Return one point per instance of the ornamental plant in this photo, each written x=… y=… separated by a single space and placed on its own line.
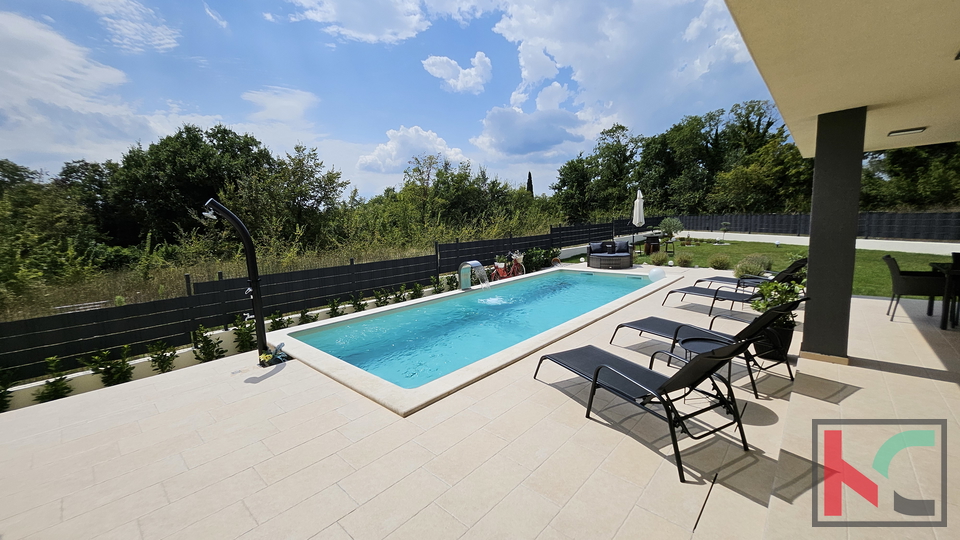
x=278 y=322
x=243 y=333
x=334 y=308
x=205 y=348
x=162 y=356
x=112 y=372
x=54 y=388
x=437 y=285
x=356 y=300
x=773 y=294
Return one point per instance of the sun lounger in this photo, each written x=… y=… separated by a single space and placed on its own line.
x=755 y=281
x=645 y=388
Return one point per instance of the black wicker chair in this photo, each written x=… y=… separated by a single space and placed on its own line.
x=929 y=284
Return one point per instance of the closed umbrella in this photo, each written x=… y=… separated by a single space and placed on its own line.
x=638 y=210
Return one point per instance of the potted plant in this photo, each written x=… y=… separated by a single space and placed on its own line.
x=775 y=294
x=670 y=226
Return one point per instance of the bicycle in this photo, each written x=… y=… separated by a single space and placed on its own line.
x=500 y=270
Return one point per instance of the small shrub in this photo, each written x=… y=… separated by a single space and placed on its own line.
x=278 y=322
x=356 y=300
x=381 y=297
x=112 y=372
x=436 y=284
x=162 y=356
x=334 y=309
x=683 y=259
x=119 y=300
x=205 y=348
x=243 y=334
x=659 y=258
x=801 y=274
x=719 y=261
x=752 y=265
x=400 y=295
x=306 y=317
x=417 y=291
x=774 y=294
x=535 y=259
x=670 y=227
x=452 y=282
x=6 y=381
x=54 y=388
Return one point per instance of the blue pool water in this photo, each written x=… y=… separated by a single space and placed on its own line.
x=413 y=346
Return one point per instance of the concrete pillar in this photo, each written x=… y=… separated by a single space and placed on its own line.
x=833 y=233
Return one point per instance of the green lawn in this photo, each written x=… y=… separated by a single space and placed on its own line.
x=871 y=277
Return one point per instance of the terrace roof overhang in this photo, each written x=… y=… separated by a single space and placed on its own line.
x=847 y=76
x=897 y=58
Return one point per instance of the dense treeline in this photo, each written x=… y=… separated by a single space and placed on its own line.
x=143 y=211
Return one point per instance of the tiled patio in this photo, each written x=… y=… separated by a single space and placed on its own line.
x=229 y=450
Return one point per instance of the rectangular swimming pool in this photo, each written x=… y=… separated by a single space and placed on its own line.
x=424 y=348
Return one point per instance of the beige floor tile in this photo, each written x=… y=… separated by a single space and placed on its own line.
x=368 y=424
x=442 y=436
x=127 y=531
x=355 y=408
x=83 y=445
x=728 y=515
x=307 y=412
x=550 y=533
x=135 y=460
x=641 y=523
x=598 y=437
x=95 y=496
x=523 y=513
x=279 y=467
x=29 y=498
x=499 y=402
x=240 y=422
x=462 y=458
x=482 y=489
x=563 y=473
x=307 y=518
x=192 y=508
x=678 y=503
x=162 y=433
x=333 y=532
x=538 y=443
x=369 y=449
x=381 y=515
x=227 y=524
x=224 y=446
x=107 y=517
x=214 y=471
x=106 y=425
x=26 y=523
x=301 y=433
x=440 y=411
x=515 y=421
x=632 y=461
x=376 y=477
x=599 y=507
x=432 y=523
x=290 y=491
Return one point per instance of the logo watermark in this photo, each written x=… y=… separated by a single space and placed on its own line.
x=895 y=472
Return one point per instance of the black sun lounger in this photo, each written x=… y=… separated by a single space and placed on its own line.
x=718 y=294
x=758 y=331
x=755 y=281
x=644 y=387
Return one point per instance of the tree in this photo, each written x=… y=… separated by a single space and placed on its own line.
x=162 y=188
x=572 y=189
x=613 y=161
x=530 y=182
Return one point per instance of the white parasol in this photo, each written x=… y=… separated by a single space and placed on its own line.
x=638 y=210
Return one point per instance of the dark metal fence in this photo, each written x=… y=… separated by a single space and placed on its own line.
x=907 y=226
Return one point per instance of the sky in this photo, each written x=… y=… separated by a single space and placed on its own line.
x=513 y=86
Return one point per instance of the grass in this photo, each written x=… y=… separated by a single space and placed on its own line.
x=871 y=277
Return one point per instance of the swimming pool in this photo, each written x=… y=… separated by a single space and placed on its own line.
x=411 y=354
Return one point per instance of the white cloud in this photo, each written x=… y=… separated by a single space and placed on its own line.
x=552 y=96
x=280 y=104
x=371 y=21
x=215 y=16
x=403 y=144
x=723 y=41
x=269 y=17
x=458 y=79
x=509 y=132
x=133 y=27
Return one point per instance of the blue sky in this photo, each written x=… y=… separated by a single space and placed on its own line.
x=514 y=86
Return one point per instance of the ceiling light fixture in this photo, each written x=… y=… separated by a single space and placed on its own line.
x=911 y=131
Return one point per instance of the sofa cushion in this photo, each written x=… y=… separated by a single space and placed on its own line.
x=623 y=247
x=596 y=247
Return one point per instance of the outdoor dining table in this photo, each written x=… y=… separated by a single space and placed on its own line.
x=950 y=284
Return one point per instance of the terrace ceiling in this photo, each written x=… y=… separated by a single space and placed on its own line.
x=898 y=58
